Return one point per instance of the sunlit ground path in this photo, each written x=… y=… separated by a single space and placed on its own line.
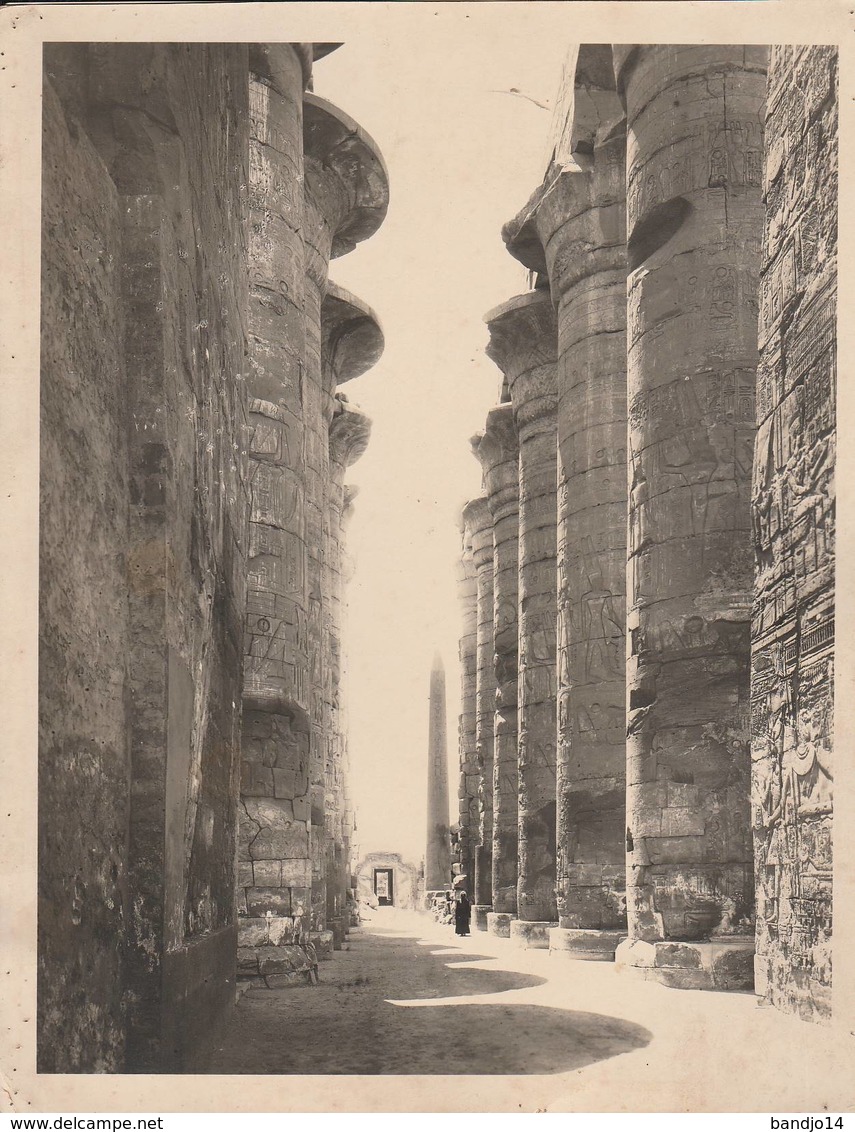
x=410 y=997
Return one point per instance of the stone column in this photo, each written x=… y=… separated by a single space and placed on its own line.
x=523 y=344
x=467 y=793
x=478 y=514
x=793 y=504
x=695 y=129
x=498 y=451
x=352 y=342
x=345 y=199
x=350 y=429
x=438 y=840
x=575 y=229
x=273 y=848
x=351 y=847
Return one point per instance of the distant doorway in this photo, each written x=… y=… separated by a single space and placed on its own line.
x=383 y=886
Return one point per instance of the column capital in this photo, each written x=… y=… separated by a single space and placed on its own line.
x=683 y=61
x=497 y=449
x=346 y=176
x=270 y=62
x=351 y=490
x=350 y=430
x=479 y=524
x=351 y=336
x=524 y=345
x=590 y=134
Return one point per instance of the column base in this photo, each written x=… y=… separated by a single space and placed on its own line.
x=584 y=943
x=499 y=923
x=479 y=916
x=725 y=964
x=532 y=933
x=323 y=942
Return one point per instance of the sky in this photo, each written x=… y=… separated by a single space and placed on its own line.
x=464 y=155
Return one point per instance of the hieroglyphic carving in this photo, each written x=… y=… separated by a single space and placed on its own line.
x=691 y=329
x=523 y=343
x=793 y=526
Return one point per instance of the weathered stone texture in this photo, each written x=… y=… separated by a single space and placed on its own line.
x=169 y=124
x=523 y=343
x=467 y=792
x=695 y=140
x=498 y=451
x=485 y=695
x=793 y=514
x=84 y=757
x=275 y=740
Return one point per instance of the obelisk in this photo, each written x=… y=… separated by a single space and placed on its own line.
x=438 y=850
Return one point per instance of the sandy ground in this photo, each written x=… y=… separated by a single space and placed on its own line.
x=410 y=997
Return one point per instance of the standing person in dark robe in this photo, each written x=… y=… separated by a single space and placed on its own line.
x=462 y=915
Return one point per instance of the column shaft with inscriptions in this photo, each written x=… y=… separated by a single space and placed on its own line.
x=478 y=514
x=498 y=450
x=273 y=850
x=467 y=792
x=694 y=220
x=523 y=343
x=574 y=229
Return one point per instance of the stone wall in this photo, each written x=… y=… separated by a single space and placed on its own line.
x=84 y=756
x=793 y=514
x=173 y=340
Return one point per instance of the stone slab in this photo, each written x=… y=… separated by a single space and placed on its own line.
x=717 y=964
x=532 y=933
x=480 y=913
x=590 y=944
x=499 y=923
x=324 y=944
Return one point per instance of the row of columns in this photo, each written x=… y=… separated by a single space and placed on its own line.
x=318 y=186
x=630 y=375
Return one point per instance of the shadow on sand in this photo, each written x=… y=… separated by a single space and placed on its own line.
x=348 y=1024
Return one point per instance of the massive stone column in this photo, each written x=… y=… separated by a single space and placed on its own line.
x=352 y=342
x=793 y=511
x=438 y=842
x=498 y=451
x=467 y=793
x=481 y=526
x=574 y=228
x=345 y=199
x=523 y=344
x=274 y=872
x=694 y=218
x=351 y=847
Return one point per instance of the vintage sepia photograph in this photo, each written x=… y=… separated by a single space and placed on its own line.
x=437 y=430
